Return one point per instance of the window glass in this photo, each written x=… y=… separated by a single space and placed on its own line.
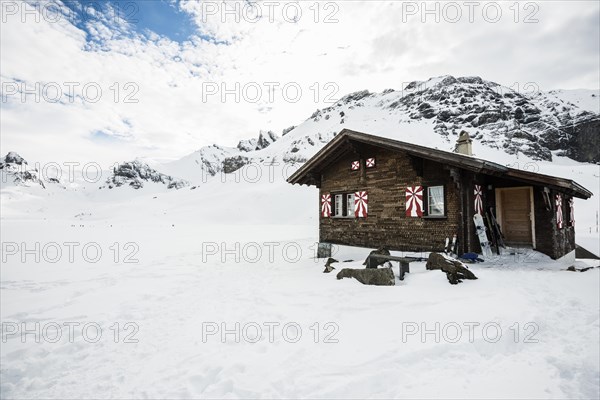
x=339 y=205
x=350 y=204
x=435 y=200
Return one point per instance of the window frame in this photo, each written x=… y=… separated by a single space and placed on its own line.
x=347 y=210
x=427 y=205
x=337 y=209
x=350 y=205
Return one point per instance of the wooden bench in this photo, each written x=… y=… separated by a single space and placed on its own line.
x=404 y=262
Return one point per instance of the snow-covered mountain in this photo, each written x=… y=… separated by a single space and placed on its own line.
x=432 y=112
x=14 y=170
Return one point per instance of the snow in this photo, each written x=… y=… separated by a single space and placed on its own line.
x=588 y=100
x=179 y=283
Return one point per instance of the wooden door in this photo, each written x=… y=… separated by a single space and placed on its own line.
x=516 y=215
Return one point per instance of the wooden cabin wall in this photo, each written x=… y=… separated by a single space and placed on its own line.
x=549 y=239
x=469 y=182
x=387 y=224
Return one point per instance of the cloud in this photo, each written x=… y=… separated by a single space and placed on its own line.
x=156 y=87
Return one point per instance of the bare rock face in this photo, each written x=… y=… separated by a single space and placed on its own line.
x=14 y=158
x=534 y=123
x=247 y=145
x=265 y=139
x=455 y=270
x=372 y=276
x=581 y=142
x=136 y=173
x=232 y=164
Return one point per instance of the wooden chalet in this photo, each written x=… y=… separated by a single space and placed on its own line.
x=376 y=191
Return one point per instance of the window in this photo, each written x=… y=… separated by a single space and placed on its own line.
x=339 y=205
x=435 y=201
x=344 y=205
x=350 y=205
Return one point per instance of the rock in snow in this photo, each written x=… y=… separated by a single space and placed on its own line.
x=371 y=276
x=455 y=270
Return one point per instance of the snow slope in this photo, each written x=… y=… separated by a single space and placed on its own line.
x=189 y=273
x=238 y=248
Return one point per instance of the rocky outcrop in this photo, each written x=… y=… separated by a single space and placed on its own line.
x=232 y=164
x=136 y=173
x=247 y=145
x=582 y=142
x=15 y=169
x=265 y=139
x=529 y=122
x=12 y=158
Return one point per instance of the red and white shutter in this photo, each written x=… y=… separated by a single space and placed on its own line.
x=370 y=163
x=326 y=205
x=478 y=196
x=355 y=165
x=361 y=204
x=559 y=211
x=571 y=212
x=414 y=201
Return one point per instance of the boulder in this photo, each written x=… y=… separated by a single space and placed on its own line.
x=381 y=250
x=455 y=270
x=328 y=266
x=371 y=276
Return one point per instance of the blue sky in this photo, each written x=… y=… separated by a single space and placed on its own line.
x=163 y=17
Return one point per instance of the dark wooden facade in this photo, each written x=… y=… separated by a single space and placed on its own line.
x=386 y=223
x=400 y=165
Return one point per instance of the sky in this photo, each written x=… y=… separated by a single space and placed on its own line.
x=108 y=81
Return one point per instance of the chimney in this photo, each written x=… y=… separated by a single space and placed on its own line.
x=463 y=144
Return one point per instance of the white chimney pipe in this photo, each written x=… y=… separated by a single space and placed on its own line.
x=463 y=144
